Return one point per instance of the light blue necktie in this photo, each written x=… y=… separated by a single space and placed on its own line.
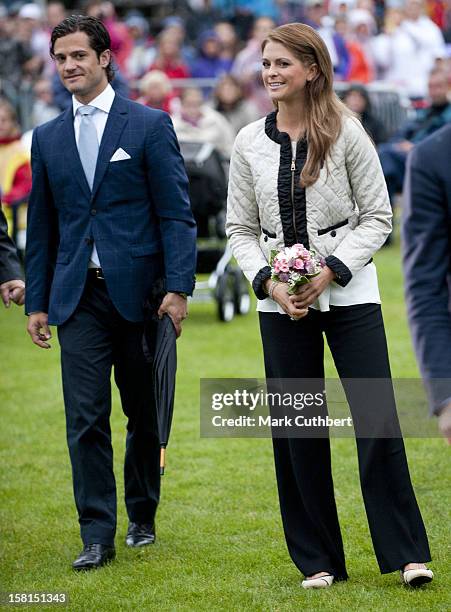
x=88 y=144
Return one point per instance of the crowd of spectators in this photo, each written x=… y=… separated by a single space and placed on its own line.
x=202 y=62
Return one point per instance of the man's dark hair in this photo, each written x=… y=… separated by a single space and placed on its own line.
x=99 y=39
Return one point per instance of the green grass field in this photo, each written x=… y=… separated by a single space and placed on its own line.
x=220 y=544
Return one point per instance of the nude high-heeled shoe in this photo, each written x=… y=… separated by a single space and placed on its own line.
x=323 y=582
x=417 y=577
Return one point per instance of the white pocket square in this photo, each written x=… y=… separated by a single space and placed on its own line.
x=120 y=155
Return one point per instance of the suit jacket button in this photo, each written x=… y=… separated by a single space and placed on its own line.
x=93 y=212
x=333 y=233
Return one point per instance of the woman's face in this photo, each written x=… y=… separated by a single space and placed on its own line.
x=355 y=101
x=284 y=76
x=228 y=92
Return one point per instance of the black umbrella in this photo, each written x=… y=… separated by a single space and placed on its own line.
x=159 y=345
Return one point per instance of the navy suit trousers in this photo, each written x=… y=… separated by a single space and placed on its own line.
x=93 y=340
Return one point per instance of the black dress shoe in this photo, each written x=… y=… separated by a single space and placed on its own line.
x=140 y=534
x=93 y=556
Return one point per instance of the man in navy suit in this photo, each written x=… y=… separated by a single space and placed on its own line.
x=109 y=214
x=426 y=232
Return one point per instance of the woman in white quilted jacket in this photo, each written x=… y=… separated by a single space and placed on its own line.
x=308 y=173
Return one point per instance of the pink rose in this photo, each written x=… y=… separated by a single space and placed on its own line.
x=300 y=251
x=282 y=258
x=284 y=267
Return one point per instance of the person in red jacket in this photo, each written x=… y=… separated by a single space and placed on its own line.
x=15 y=173
x=360 y=68
x=15 y=170
x=169 y=58
x=156 y=91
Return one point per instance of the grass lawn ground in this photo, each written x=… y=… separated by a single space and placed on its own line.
x=220 y=544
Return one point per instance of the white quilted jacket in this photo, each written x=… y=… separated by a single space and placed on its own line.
x=345 y=216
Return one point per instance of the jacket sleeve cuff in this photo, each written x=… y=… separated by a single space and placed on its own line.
x=439 y=393
x=437 y=409
x=257 y=283
x=342 y=272
x=182 y=287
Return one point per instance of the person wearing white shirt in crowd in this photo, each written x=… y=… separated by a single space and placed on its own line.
x=195 y=121
x=31 y=29
x=407 y=50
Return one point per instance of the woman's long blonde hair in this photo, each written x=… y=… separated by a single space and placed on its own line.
x=324 y=110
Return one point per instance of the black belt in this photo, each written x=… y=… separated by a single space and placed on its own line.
x=96 y=273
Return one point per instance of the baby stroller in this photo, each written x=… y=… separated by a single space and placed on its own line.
x=226 y=284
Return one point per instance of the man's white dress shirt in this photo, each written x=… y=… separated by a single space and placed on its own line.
x=102 y=104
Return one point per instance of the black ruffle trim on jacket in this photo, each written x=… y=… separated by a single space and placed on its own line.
x=343 y=273
x=259 y=279
x=290 y=211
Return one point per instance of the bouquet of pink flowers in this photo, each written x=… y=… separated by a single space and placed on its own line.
x=295 y=265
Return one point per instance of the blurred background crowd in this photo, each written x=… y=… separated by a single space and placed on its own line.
x=200 y=60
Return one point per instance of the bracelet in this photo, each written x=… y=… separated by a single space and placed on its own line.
x=272 y=286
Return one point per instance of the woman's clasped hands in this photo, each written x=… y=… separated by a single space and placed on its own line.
x=288 y=302
x=296 y=305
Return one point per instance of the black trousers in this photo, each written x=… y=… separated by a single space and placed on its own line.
x=295 y=349
x=93 y=340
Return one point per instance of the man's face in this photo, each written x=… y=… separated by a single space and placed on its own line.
x=80 y=70
x=438 y=89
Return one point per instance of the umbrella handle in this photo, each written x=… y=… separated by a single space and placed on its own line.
x=162 y=459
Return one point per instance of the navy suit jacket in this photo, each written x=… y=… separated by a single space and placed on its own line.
x=138 y=214
x=426 y=233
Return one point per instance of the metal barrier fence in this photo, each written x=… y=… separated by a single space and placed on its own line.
x=390 y=104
